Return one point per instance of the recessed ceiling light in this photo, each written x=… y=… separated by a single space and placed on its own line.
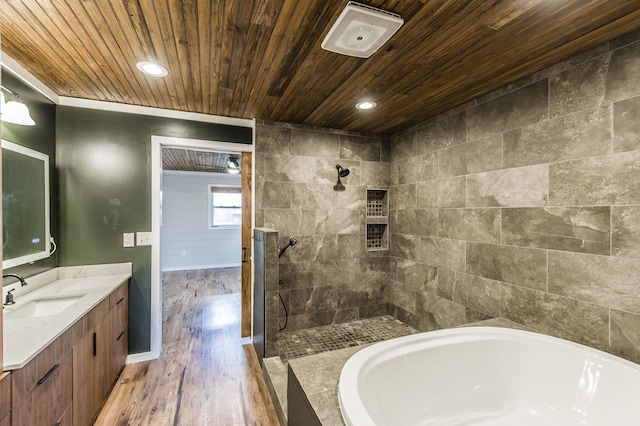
x=366 y=105
x=152 y=69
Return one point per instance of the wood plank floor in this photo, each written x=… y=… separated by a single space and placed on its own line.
x=207 y=374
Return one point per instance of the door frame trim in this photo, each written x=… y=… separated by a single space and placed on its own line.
x=157 y=142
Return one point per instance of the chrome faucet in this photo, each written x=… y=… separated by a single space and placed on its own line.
x=9 y=298
x=22 y=281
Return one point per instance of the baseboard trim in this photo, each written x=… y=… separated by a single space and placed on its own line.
x=141 y=357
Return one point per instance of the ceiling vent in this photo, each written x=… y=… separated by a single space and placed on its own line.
x=360 y=30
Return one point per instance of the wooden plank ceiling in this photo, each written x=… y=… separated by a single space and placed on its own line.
x=199 y=161
x=262 y=58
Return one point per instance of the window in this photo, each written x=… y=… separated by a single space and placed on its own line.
x=225 y=206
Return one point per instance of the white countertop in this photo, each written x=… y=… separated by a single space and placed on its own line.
x=25 y=338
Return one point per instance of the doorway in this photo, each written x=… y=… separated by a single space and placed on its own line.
x=244 y=155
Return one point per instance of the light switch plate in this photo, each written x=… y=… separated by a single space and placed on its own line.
x=143 y=238
x=127 y=239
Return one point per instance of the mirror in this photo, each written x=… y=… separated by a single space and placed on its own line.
x=25 y=205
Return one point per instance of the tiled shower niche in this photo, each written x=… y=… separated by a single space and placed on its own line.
x=377 y=203
x=377 y=238
x=377 y=219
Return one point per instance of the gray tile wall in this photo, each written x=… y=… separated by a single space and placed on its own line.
x=328 y=277
x=525 y=204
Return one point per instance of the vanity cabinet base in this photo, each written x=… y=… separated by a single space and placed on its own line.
x=69 y=381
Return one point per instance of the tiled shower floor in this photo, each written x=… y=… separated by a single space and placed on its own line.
x=296 y=344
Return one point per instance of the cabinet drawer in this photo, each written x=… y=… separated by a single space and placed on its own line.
x=67 y=418
x=25 y=380
x=119 y=295
x=5 y=394
x=50 y=398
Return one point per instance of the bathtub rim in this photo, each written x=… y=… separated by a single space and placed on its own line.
x=348 y=379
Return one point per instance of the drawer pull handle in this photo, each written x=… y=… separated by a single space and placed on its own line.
x=95 y=344
x=120 y=301
x=120 y=335
x=49 y=373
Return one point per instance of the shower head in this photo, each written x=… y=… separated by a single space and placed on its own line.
x=342 y=172
x=292 y=242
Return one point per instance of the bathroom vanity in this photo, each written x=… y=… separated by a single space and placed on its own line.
x=65 y=343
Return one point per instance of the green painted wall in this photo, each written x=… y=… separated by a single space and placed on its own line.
x=41 y=138
x=104 y=166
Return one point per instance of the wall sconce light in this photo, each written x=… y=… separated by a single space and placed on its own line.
x=15 y=111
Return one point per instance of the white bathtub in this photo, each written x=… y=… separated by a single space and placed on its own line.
x=488 y=376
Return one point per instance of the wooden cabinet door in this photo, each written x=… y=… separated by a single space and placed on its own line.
x=102 y=365
x=84 y=379
x=98 y=358
x=91 y=369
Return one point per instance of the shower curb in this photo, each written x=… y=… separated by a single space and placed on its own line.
x=275 y=376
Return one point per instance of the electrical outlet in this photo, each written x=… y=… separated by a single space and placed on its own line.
x=143 y=238
x=127 y=239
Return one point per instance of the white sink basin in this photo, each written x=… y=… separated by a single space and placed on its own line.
x=44 y=307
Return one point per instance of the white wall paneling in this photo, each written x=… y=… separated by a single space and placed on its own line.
x=186 y=242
